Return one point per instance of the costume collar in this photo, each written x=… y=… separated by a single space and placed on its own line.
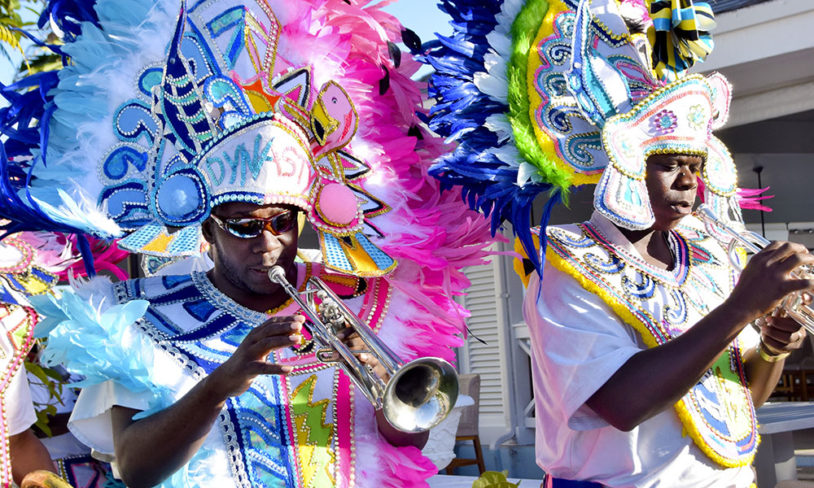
x=612 y=233
x=609 y=235
x=220 y=299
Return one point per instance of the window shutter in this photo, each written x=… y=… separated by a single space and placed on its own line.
x=485 y=299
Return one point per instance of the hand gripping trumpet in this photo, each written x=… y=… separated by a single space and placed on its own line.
x=418 y=395
x=795 y=304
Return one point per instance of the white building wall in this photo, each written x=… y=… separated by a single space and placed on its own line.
x=495 y=301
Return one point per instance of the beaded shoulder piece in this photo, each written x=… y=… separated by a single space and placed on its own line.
x=717 y=412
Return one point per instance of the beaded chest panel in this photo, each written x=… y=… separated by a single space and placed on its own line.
x=293 y=430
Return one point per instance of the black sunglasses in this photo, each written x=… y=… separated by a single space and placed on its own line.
x=248 y=228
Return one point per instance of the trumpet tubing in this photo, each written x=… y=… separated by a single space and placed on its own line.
x=418 y=395
x=796 y=305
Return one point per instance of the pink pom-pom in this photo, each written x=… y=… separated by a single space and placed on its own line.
x=337 y=204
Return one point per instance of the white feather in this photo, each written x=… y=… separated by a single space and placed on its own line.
x=526 y=173
x=500 y=125
x=508 y=13
x=493 y=82
x=494 y=86
x=508 y=154
x=77 y=211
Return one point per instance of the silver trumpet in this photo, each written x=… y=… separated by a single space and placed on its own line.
x=418 y=395
x=794 y=304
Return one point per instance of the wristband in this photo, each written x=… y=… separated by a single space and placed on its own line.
x=769 y=354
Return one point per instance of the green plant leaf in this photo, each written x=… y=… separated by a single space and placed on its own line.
x=493 y=479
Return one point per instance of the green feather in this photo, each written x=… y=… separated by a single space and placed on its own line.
x=524 y=30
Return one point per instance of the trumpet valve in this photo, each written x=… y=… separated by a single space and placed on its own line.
x=331 y=314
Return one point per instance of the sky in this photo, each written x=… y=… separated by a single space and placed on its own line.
x=8 y=67
x=421 y=16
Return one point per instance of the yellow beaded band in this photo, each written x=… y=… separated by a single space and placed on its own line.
x=769 y=354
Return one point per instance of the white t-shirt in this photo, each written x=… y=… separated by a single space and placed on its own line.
x=19 y=408
x=64 y=445
x=578 y=343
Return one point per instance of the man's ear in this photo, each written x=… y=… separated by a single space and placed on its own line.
x=207 y=230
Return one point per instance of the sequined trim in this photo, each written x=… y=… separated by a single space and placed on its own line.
x=225 y=303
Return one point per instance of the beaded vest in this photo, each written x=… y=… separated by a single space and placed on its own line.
x=296 y=430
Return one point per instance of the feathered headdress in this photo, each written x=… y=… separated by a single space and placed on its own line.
x=545 y=95
x=232 y=112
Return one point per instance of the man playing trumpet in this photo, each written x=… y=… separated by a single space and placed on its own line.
x=211 y=378
x=646 y=371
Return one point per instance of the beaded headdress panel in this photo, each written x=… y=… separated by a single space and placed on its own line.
x=236 y=119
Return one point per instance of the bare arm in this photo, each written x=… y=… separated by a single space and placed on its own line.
x=762 y=376
x=149 y=450
x=27 y=455
x=654 y=379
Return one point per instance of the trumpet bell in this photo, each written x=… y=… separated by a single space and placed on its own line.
x=420 y=395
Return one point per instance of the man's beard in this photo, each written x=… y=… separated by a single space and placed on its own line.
x=234 y=277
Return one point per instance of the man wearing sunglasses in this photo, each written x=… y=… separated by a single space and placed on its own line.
x=244 y=377
x=210 y=378
x=245 y=240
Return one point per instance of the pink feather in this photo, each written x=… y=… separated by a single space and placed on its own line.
x=748 y=198
x=433 y=235
x=58 y=254
x=751 y=198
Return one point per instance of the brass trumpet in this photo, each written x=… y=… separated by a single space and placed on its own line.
x=795 y=304
x=418 y=395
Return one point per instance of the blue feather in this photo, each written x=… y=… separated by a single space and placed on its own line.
x=459 y=114
x=25 y=131
x=68 y=15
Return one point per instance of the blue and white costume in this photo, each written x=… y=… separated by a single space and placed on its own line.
x=144 y=343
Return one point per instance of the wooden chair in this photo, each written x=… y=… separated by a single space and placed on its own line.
x=468 y=426
x=798 y=371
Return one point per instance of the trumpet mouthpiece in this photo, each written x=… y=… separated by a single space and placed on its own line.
x=277 y=274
